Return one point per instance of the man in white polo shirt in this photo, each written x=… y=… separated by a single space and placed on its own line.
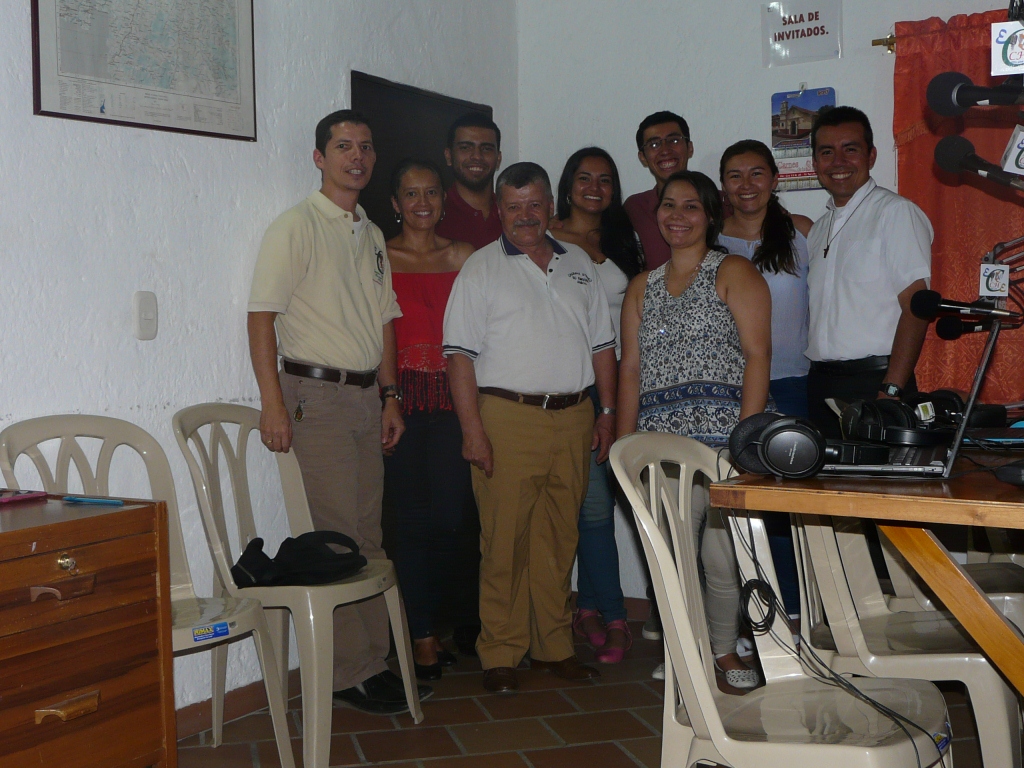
x=526 y=331
x=321 y=298
x=869 y=254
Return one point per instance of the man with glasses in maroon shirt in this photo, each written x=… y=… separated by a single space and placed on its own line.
x=664 y=147
x=474 y=155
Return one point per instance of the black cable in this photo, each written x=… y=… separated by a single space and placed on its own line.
x=767 y=596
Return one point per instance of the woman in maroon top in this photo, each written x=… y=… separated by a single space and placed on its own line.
x=426 y=477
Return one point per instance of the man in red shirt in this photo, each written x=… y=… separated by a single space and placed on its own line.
x=474 y=155
x=664 y=147
x=470 y=215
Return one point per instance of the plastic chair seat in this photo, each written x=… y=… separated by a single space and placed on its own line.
x=826 y=715
x=194 y=613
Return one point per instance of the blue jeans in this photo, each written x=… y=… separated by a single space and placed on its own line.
x=790 y=397
x=597 y=572
x=429 y=482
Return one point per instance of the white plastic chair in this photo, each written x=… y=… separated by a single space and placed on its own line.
x=311 y=607
x=796 y=721
x=198 y=623
x=1001 y=580
x=927 y=645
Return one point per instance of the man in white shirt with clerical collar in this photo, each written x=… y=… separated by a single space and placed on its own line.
x=526 y=332
x=869 y=253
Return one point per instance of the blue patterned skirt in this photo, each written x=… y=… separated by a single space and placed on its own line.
x=704 y=410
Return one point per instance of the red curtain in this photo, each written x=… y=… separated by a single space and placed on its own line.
x=969 y=214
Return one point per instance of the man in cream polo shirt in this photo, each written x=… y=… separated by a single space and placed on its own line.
x=869 y=254
x=322 y=299
x=526 y=331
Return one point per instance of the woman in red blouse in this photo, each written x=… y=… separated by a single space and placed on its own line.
x=426 y=476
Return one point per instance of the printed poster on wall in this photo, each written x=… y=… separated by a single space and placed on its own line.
x=804 y=30
x=792 y=115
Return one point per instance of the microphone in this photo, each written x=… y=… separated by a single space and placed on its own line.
x=929 y=304
x=952 y=93
x=952 y=328
x=955 y=154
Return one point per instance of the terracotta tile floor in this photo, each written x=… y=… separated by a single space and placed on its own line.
x=549 y=724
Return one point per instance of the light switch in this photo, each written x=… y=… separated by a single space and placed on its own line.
x=144 y=315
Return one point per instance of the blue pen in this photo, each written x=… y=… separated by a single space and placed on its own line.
x=91 y=500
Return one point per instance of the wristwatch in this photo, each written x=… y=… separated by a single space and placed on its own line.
x=890 y=389
x=391 y=390
x=606 y=411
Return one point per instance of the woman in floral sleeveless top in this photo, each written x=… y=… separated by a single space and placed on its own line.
x=696 y=356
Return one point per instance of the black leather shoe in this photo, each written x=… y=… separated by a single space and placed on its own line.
x=427 y=671
x=567 y=669
x=446 y=658
x=390 y=678
x=375 y=695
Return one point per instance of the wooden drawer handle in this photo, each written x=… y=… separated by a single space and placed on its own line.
x=66 y=589
x=85 y=704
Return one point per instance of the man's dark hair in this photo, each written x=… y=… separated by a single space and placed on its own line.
x=323 y=128
x=473 y=120
x=710 y=201
x=657 y=119
x=837 y=116
x=518 y=175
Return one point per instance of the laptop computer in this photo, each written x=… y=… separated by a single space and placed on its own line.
x=904 y=461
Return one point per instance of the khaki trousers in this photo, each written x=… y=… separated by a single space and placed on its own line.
x=528 y=534
x=337 y=444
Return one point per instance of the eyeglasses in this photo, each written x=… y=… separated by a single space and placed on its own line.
x=673 y=140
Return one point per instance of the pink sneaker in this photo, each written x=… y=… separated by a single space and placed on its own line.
x=596 y=639
x=616 y=654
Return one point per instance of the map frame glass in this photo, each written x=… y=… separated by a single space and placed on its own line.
x=185 y=66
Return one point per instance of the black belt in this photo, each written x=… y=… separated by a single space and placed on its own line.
x=362 y=379
x=851 y=367
x=547 y=402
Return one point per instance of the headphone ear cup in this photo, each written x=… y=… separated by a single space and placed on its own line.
x=894 y=413
x=849 y=420
x=792 y=447
x=743 y=442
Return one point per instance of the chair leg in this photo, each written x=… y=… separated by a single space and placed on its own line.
x=277 y=621
x=276 y=699
x=314 y=633
x=997 y=717
x=218 y=672
x=404 y=647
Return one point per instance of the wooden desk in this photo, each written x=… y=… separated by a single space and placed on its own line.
x=85 y=636
x=974 y=499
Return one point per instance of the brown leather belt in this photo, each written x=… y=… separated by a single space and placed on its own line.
x=362 y=379
x=547 y=402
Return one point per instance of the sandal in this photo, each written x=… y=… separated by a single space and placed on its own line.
x=596 y=639
x=743 y=679
x=615 y=655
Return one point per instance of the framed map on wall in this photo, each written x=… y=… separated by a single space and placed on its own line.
x=171 y=65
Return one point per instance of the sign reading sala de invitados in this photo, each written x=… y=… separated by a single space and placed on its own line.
x=802 y=30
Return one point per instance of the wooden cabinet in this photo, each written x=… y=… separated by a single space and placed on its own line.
x=85 y=637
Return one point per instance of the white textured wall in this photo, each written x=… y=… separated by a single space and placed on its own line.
x=590 y=71
x=92 y=213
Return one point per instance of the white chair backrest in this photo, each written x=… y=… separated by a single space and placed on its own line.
x=638 y=461
x=204 y=458
x=860 y=569
x=818 y=539
x=24 y=438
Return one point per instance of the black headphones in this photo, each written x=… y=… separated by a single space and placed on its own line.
x=773 y=444
x=892 y=422
x=791 y=447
